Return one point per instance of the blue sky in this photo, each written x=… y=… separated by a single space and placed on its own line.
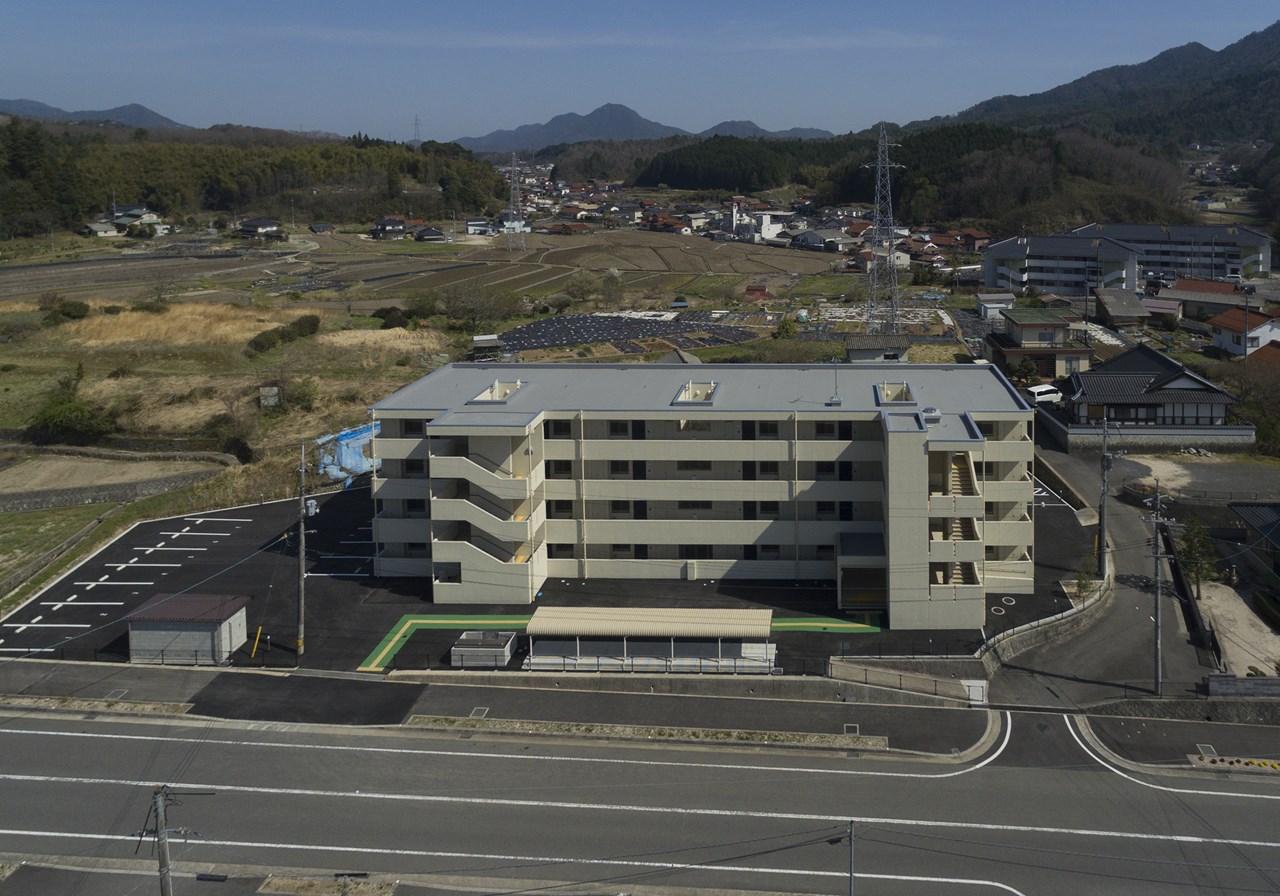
x=467 y=68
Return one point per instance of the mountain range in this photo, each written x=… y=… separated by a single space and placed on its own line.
x=1185 y=93
x=613 y=121
x=132 y=115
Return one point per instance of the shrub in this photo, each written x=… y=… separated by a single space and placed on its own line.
x=150 y=306
x=307 y=325
x=64 y=417
x=112 y=309
x=393 y=319
x=5 y=368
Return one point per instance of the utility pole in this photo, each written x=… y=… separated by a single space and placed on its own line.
x=302 y=546
x=1107 y=460
x=851 y=884
x=1157 y=523
x=159 y=799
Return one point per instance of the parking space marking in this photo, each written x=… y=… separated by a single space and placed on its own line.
x=59 y=604
x=1042 y=490
x=217 y=519
x=132 y=565
x=158 y=548
x=20 y=627
x=199 y=534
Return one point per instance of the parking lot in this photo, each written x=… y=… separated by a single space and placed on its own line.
x=357 y=621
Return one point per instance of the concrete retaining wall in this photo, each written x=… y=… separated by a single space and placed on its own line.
x=1224 y=685
x=1076 y=438
x=119 y=493
x=1233 y=711
x=1006 y=645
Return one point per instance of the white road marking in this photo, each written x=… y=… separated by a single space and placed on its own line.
x=216 y=519
x=91 y=584
x=524 y=757
x=132 y=565
x=1183 y=790
x=158 y=548
x=59 y=604
x=20 y=627
x=199 y=534
x=25 y=649
x=506 y=803
x=537 y=860
x=1040 y=487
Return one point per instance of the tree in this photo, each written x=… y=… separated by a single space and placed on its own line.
x=1025 y=371
x=611 y=287
x=1197 y=553
x=581 y=286
x=475 y=307
x=786 y=329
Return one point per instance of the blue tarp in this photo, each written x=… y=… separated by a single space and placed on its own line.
x=347 y=454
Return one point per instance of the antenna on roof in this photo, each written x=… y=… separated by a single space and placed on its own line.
x=834 y=400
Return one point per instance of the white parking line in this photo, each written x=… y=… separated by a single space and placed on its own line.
x=200 y=534
x=58 y=604
x=216 y=519
x=149 y=550
x=132 y=565
x=19 y=627
x=1041 y=489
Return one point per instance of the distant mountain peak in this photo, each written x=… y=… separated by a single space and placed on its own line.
x=131 y=115
x=612 y=121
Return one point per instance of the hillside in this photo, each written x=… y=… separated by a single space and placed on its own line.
x=1183 y=94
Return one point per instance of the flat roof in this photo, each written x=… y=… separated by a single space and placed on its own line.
x=654 y=622
x=190 y=608
x=740 y=389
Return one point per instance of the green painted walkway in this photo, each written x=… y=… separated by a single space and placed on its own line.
x=388 y=647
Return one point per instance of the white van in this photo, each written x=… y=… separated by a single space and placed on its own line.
x=1045 y=394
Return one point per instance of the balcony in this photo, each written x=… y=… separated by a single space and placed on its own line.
x=400 y=489
x=1019 y=490
x=1019 y=449
x=399 y=449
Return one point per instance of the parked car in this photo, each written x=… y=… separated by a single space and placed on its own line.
x=1045 y=394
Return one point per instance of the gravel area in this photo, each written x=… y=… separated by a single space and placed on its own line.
x=1246 y=640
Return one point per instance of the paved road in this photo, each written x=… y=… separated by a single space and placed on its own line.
x=1040 y=814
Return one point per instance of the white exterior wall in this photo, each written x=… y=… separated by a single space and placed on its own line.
x=558 y=496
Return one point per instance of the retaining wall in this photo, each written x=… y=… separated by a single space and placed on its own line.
x=1225 y=685
x=1006 y=645
x=1132 y=437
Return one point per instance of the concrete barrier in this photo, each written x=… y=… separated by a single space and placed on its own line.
x=1006 y=645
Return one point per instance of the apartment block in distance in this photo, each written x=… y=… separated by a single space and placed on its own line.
x=909 y=486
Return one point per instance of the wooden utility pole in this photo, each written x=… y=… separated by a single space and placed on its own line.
x=159 y=799
x=302 y=546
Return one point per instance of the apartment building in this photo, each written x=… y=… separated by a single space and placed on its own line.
x=1118 y=256
x=908 y=485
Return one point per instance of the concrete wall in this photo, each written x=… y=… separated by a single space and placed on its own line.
x=1225 y=685
x=1006 y=645
x=1073 y=439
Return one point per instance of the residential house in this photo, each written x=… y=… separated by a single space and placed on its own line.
x=877 y=347
x=101 y=229
x=973 y=240
x=1242 y=331
x=1053 y=340
x=430 y=235
x=907 y=486
x=262 y=229
x=1120 y=308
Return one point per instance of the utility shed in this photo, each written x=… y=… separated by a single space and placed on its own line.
x=188 y=629
x=482 y=650
x=650 y=639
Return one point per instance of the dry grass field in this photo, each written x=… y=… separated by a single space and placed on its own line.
x=186 y=372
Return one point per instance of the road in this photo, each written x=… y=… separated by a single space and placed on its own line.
x=1041 y=813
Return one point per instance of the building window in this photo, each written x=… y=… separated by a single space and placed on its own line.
x=559 y=551
x=415 y=507
x=768 y=469
x=769 y=510
x=824 y=470
x=559 y=469
x=770 y=552
x=768 y=429
x=559 y=429
x=620 y=469
x=825 y=510
x=620 y=550
x=620 y=508
x=415 y=468
x=562 y=509
x=696 y=426
x=695 y=552
x=826 y=552
x=693 y=505
x=619 y=429
x=417 y=549
x=825 y=429
x=693 y=466
x=411 y=427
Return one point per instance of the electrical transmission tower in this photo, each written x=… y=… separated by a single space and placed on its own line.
x=515 y=217
x=882 y=277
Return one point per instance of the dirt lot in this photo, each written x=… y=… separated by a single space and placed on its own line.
x=1246 y=640
x=52 y=472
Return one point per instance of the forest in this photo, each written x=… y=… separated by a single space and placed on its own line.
x=1002 y=179
x=59 y=179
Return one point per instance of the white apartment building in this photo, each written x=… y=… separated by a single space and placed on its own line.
x=908 y=485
